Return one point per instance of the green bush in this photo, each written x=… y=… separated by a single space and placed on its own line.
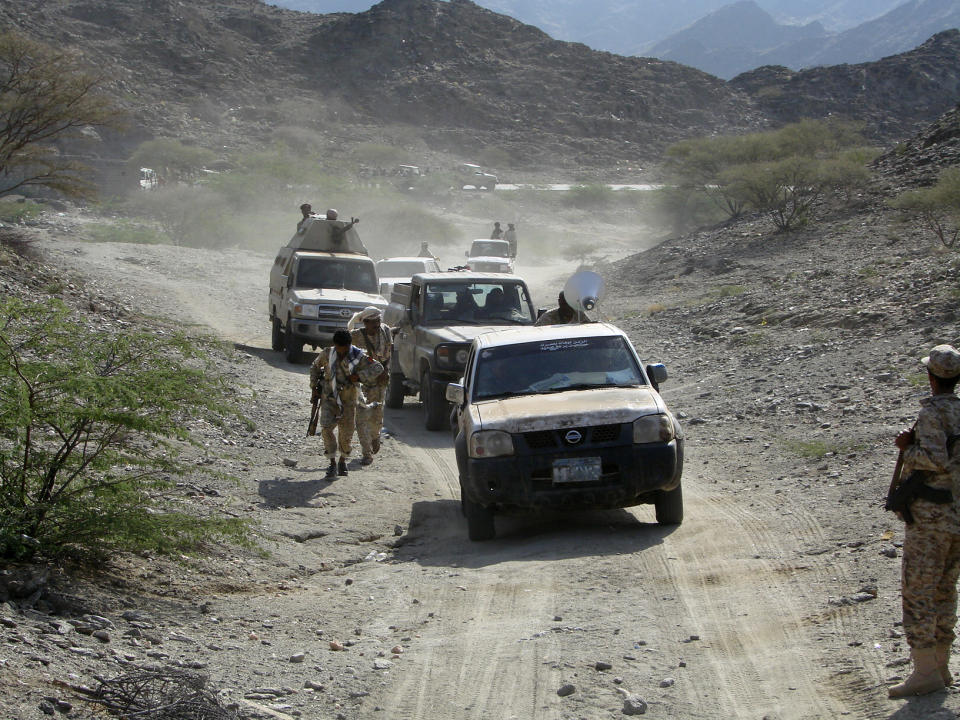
x=12 y=211
x=124 y=231
x=937 y=206
x=171 y=159
x=779 y=172
x=92 y=425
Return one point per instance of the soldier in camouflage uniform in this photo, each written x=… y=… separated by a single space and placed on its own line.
x=377 y=340
x=563 y=314
x=931 y=548
x=334 y=377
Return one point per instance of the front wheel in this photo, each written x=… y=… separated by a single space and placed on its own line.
x=294 y=346
x=395 y=391
x=669 y=506
x=436 y=415
x=480 y=525
x=276 y=334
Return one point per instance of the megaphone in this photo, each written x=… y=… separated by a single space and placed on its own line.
x=583 y=290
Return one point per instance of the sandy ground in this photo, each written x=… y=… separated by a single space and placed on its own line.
x=771 y=600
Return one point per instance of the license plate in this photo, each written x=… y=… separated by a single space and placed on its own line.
x=576 y=470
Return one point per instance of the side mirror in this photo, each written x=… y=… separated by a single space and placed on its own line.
x=657 y=372
x=408 y=315
x=455 y=392
x=466 y=254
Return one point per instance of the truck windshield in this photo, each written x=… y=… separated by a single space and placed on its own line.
x=336 y=274
x=489 y=248
x=551 y=366
x=480 y=303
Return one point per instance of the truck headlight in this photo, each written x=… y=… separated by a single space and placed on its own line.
x=490 y=443
x=653 y=428
x=451 y=355
x=306 y=310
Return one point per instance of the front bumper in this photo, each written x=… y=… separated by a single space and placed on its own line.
x=317 y=332
x=630 y=474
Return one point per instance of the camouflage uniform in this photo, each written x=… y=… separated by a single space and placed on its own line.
x=931 y=548
x=370 y=407
x=552 y=317
x=340 y=416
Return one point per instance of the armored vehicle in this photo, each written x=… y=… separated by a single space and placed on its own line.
x=318 y=281
x=435 y=317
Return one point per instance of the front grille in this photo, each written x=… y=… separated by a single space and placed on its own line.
x=595 y=435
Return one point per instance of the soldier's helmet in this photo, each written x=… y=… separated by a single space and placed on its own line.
x=332 y=214
x=943 y=361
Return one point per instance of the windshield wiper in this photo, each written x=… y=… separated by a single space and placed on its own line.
x=581 y=386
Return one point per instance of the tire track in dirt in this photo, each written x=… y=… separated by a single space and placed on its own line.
x=754 y=633
x=473 y=659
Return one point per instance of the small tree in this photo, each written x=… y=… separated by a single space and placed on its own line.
x=937 y=206
x=45 y=97
x=91 y=427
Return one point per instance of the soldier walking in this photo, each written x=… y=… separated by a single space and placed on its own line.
x=376 y=340
x=334 y=377
x=931 y=548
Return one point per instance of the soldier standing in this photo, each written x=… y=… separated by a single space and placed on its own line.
x=511 y=237
x=334 y=376
x=497 y=232
x=931 y=548
x=377 y=340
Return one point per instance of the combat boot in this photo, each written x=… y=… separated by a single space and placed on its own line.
x=943 y=660
x=925 y=677
x=332 y=468
x=342 y=467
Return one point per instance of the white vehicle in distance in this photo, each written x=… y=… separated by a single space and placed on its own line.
x=489 y=256
x=400 y=269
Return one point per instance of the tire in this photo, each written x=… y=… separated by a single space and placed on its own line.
x=480 y=525
x=435 y=411
x=395 y=392
x=276 y=335
x=294 y=347
x=669 y=506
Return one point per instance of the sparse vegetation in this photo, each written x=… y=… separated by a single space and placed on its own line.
x=781 y=173
x=938 y=207
x=124 y=231
x=12 y=211
x=45 y=99
x=171 y=159
x=92 y=423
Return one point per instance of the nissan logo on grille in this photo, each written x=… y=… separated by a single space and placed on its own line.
x=573 y=437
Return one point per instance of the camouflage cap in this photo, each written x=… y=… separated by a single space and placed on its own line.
x=943 y=361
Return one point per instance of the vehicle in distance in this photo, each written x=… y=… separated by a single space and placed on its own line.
x=489 y=256
x=435 y=317
x=472 y=175
x=401 y=269
x=563 y=416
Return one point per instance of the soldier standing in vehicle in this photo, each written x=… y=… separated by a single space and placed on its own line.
x=931 y=548
x=376 y=340
x=511 y=237
x=334 y=377
x=306 y=210
x=497 y=232
x=563 y=314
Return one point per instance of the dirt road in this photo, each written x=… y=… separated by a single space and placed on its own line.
x=729 y=615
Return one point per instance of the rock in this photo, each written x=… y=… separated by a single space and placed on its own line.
x=667 y=682
x=102 y=635
x=397 y=650
x=889 y=551
x=398 y=530
x=314 y=685
x=382 y=664
x=46 y=708
x=634 y=705
x=567 y=689
x=336 y=645
x=557 y=618
x=8 y=622
x=601 y=665
x=298 y=657
x=290 y=462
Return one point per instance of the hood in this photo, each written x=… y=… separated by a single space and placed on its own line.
x=489 y=259
x=340 y=297
x=574 y=408
x=460 y=333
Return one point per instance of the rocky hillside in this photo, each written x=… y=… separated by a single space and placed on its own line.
x=240 y=69
x=920 y=160
x=894 y=97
